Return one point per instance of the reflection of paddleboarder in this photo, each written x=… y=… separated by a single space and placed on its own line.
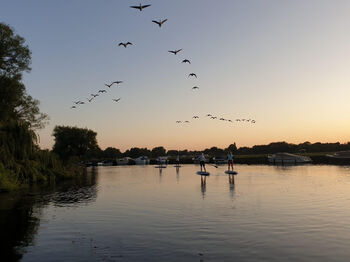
x=230 y=160
x=202 y=162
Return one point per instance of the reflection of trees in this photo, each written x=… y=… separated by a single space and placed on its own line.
x=20 y=213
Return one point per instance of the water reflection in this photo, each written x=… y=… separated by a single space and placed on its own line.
x=203 y=185
x=20 y=212
x=231 y=182
x=177 y=169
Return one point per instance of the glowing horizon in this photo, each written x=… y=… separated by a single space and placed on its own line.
x=284 y=64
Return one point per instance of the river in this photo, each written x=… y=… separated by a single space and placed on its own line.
x=139 y=213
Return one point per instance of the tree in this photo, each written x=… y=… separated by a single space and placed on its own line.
x=158 y=151
x=74 y=142
x=111 y=153
x=15 y=104
x=232 y=148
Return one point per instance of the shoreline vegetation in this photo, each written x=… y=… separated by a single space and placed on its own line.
x=22 y=162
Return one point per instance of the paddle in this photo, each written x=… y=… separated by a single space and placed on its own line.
x=213 y=165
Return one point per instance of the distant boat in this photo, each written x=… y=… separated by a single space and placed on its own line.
x=124 y=161
x=142 y=160
x=287 y=158
x=103 y=163
x=340 y=155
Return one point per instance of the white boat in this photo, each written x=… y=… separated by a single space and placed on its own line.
x=123 y=161
x=340 y=155
x=142 y=160
x=287 y=158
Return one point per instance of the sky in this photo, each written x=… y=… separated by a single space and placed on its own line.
x=284 y=64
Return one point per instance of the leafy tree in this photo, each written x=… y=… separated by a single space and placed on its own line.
x=15 y=104
x=158 y=151
x=111 y=153
x=232 y=148
x=74 y=142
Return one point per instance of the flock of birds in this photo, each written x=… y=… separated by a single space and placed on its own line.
x=160 y=23
x=252 y=121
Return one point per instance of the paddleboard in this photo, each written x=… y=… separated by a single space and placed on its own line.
x=229 y=172
x=203 y=173
x=160 y=166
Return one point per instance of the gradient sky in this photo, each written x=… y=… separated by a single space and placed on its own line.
x=283 y=63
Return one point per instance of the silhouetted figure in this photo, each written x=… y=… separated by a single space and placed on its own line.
x=230 y=161
x=202 y=162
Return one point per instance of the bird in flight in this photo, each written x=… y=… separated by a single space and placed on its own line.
x=238 y=120
x=115 y=82
x=178 y=121
x=116 y=100
x=73 y=107
x=213 y=117
x=77 y=102
x=160 y=22
x=208 y=114
x=186 y=61
x=253 y=122
x=222 y=119
x=90 y=99
x=195 y=117
x=187 y=121
x=140 y=7
x=102 y=91
x=94 y=95
x=195 y=87
x=174 y=51
x=192 y=74
x=124 y=44
x=230 y=120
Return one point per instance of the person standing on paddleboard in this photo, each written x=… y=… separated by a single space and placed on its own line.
x=177 y=160
x=202 y=162
x=230 y=160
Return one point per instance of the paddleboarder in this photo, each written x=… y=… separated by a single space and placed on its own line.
x=230 y=160
x=202 y=162
x=178 y=160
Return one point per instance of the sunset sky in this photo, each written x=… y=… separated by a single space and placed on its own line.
x=283 y=63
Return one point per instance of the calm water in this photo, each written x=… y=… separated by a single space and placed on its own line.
x=139 y=214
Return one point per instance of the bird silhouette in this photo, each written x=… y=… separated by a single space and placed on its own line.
x=73 y=107
x=116 y=100
x=102 y=91
x=124 y=44
x=94 y=95
x=90 y=99
x=195 y=87
x=195 y=117
x=192 y=74
x=81 y=103
x=187 y=121
x=230 y=120
x=160 y=22
x=140 y=7
x=238 y=120
x=77 y=102
x=222 y=119
x=117 y=82
x=253 y=121
x=213 y=117
x=174 y=51
x=186 y=61
x=178 y=121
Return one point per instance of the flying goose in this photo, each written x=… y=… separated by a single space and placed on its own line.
x=124 y=44
x=160 y=22
x=178 y=121
x=102 y=91
x=73 y=107
x=174 y=51
x=195 y=87
x=94 y=95
x=195 y=117
x=192 y=74
x=140 y=7
x=186 y=61
x=116 y=100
